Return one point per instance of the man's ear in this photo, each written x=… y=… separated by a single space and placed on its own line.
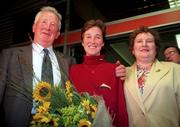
x=33 y=28
x=57 y=35
x=103 y=44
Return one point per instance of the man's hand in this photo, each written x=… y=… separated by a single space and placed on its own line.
x=120 y=70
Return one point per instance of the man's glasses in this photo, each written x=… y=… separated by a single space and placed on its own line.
x=170 y=53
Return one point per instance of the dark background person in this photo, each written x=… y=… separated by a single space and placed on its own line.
x=172 y=54
x=152 y=88
x=21 y=66
x=97 y=76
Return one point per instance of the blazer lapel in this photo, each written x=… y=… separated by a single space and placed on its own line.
x=25 y=58
x=132 y=86
x=157 y=72
x=62 y=67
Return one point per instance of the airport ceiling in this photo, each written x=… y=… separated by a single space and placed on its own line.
x=17 y=17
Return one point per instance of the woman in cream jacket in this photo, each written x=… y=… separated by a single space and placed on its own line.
x=152 y=88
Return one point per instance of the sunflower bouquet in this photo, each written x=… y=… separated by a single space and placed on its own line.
x=57 y=107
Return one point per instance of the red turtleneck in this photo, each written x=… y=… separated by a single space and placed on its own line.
x=97 y=76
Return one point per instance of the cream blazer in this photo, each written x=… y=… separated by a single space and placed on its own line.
x=159 y=106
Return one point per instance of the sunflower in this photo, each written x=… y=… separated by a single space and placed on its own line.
x=86 y=104
x=42 y=91
x=68 y=91
x=84 y=123
x=93 y=109
x=68 y=86
x=42 y=117
x=44 y=107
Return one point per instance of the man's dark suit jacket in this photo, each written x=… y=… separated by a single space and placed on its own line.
x=16 y=75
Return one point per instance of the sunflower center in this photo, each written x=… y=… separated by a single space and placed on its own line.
x=43 y=92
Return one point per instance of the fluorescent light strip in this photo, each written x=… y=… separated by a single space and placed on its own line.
x=178 y=40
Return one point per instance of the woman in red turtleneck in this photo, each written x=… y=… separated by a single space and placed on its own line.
x=97 y=76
